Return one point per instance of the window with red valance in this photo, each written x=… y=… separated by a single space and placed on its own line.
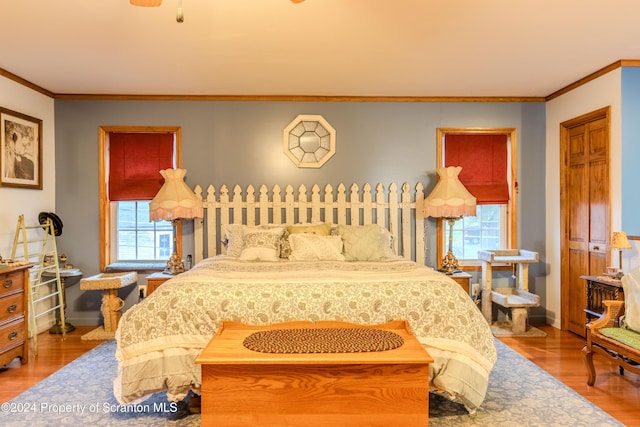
x=135 y=162
x=483 y=158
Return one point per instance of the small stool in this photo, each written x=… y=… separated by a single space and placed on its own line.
x=109 y=283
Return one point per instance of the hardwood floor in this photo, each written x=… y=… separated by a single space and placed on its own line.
x=53 y=354
x=559 y=354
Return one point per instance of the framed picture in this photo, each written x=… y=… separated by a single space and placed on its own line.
x=21 y=156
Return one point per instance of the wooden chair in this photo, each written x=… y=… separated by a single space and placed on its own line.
x=623 y=350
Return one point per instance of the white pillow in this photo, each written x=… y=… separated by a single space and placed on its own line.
x=261 y=244
x=311 y=247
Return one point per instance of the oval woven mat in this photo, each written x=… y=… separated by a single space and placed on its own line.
x=322 y=340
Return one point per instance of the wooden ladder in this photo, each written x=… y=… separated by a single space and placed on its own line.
x=36 y=244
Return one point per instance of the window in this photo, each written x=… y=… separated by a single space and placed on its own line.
x=137 y=238
x=126 y=233
x=493 y=185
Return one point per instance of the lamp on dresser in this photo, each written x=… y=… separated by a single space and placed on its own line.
x=174 y=202
x=620 y=242
x=449 y=200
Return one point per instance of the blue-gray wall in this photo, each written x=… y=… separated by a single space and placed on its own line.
x=240 y=142
x=630 y=149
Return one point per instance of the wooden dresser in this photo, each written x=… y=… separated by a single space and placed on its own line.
x=14 y=303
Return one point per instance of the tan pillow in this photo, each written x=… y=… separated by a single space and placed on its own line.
x=321 y=229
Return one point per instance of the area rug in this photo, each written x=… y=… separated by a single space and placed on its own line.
x=80 y=394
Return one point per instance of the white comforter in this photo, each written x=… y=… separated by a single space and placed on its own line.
x=159 y=338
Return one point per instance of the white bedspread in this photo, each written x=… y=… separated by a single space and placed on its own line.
x=159 y=338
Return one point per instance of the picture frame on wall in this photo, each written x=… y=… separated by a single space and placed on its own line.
x=21 y=155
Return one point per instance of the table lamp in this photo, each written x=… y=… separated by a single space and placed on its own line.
x=449 y=200
x=174 y=202
x=620 y=242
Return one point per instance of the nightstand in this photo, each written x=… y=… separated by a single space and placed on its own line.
x=463 y=280
x=155 y=280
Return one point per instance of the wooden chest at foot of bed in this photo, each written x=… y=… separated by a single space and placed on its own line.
x=245 y=387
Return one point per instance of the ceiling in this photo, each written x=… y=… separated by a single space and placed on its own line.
x=353 y=48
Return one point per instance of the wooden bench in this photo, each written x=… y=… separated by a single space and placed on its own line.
x=605 y=337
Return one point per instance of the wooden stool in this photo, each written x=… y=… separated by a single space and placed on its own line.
x=109 y=283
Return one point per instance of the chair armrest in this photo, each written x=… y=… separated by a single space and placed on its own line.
x=612 y=312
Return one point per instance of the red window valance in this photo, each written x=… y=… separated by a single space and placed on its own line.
x=484 y=165
x=135 y=162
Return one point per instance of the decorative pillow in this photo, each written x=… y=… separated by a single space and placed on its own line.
x=285 y=246
x=631 y=287
x=321 y=229
x=261 y=244
x=363 y=242
x=309 y=247
x=232 y=236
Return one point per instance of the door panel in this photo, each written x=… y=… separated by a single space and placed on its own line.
x=585 y=207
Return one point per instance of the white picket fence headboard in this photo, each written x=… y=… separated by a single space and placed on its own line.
x=398 y=210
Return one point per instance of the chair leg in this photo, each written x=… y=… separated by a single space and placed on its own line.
x=587 y=357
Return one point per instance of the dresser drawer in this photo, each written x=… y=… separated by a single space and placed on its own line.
x=12 y=335
x=11 y=282
x=11 y=307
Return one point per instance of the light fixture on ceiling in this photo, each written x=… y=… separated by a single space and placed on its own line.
x=146 y=3
x=179 y=14
x=154 y=3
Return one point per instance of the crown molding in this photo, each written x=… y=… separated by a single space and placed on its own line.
x=324 y=98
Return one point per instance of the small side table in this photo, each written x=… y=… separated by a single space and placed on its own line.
x=68 y=276
x=109 y=283
x=599 y=289
x=463 y=280
x=155 y=280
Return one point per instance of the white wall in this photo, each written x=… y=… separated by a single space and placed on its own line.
x=16 y=201
x=602 y=92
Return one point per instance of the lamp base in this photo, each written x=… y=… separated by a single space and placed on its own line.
x=174 y=265
x=449 y=264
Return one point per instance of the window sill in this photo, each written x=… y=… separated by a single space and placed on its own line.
x=140 y=267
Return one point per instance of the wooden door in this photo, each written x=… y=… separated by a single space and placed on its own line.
x=585 y=207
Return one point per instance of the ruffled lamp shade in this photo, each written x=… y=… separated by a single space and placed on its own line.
x=449 y=198
x=175 y=200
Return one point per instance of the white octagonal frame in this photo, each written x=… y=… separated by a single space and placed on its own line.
x=309 y=141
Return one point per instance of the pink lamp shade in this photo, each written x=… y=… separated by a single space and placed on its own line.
x=175 y=200
x=449 y=198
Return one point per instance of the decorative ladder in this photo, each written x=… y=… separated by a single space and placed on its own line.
x=35 y=244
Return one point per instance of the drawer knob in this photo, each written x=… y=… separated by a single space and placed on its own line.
x=8 y=283
x=12 y=308
x=13 y=335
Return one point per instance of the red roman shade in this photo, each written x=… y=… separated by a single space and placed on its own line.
x=484 y=165
x=135 y=162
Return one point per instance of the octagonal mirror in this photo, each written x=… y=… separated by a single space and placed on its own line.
x=309 y=141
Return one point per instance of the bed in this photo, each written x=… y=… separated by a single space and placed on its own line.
x=269 y=260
